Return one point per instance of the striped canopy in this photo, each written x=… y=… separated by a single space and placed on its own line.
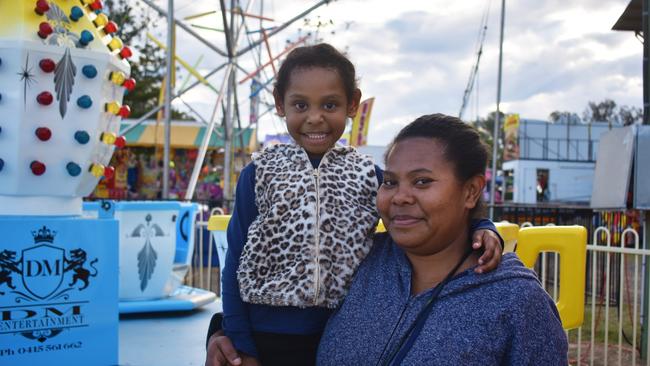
x=186 y=135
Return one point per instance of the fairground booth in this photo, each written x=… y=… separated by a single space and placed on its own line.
x=138 y=166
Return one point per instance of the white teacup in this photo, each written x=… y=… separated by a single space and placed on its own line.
x=147 y=247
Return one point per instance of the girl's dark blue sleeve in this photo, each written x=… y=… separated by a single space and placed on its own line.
x=380 y=174
x=236 y=323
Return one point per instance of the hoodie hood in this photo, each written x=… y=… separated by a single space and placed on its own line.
x=510 y=268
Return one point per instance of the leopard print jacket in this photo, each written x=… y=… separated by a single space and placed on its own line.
x=313 y=229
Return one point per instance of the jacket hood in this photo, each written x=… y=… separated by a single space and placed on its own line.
x=510 y=268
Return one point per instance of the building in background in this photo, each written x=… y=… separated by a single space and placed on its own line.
x=549 y=162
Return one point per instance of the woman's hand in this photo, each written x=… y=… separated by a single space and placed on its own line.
x=489 y=241
x=222 y=353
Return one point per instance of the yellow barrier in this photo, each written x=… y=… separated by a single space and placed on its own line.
x=218 y=222
x=571 y=243
x=380 y=227
x=509 y=233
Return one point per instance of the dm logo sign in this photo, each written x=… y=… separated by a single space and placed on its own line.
x=42 y=270
x=48 y=276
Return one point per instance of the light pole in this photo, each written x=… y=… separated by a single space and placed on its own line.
x=497 y=120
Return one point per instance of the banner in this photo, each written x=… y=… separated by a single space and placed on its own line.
x=359 y=132
x=511 y=143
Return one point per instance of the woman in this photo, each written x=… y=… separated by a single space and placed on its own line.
x=415 y=300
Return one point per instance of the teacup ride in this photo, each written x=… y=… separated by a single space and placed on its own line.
x=156 y=242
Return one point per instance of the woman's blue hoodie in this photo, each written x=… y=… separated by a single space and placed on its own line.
x=503 y=317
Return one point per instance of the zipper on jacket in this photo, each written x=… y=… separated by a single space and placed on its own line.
x=317 y=260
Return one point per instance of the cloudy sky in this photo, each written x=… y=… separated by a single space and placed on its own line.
x=415 y=56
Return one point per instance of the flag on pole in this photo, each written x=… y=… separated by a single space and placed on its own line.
x=359 y=132
x=511 y=129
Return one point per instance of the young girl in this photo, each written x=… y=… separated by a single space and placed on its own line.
x=304 y=218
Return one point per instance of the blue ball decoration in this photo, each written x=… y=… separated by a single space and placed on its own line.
x=86 y=37
x=76 y=13
x=89 y=71
x=84 y=102
x=73 y=169
x=82 y=137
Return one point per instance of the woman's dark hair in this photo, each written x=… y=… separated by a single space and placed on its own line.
x=321 y=55
x=463 y=147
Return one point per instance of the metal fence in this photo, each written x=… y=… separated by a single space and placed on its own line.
x=615 y=289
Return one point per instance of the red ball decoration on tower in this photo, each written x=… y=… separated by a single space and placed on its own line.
x=109 y=172
x=41 y=7
x=110 y=27
x=96 y=5
x=126 y=52
x=44 y=98
x=37 y=167
x=47 y=65
x=120 y=142
x=125 y=111
x=44 y=30
x=129 y=84
x=43 y=133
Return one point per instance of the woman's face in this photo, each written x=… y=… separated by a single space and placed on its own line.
x=421 y=202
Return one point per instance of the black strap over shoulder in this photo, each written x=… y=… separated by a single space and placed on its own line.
x=406 y=342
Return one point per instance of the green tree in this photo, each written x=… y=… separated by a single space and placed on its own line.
x=564 y=117
x=148 y=70
x=629 y=115
x=485 y=127
x=601 y=112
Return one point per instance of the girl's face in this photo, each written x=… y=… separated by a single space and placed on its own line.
x=421 y=201
x=316 y=108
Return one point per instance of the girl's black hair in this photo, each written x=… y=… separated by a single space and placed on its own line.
x=463 y=147
x=320 y=55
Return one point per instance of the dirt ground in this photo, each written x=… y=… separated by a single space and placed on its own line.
x=599 y=355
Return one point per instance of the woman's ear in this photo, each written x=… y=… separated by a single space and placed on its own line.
x=279 y=106
x=354 y=103
x=473 y=190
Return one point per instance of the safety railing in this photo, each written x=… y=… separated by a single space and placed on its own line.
x=615 y=303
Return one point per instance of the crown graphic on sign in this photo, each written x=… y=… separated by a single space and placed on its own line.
x=43 y=235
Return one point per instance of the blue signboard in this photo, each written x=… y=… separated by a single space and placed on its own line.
x=58 y=291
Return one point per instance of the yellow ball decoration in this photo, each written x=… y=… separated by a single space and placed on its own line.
x=101 y=20
x=115 y=44
x=113 y=107
x=118 y=77
x=108 y=138
x=97 y=170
